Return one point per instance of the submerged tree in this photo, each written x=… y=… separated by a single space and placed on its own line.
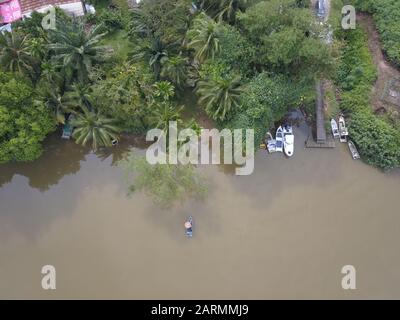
x=165 y=183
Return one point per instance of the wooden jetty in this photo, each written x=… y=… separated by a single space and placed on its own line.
x=320 y=116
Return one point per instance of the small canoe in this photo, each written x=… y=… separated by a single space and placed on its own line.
x=270 y=143
x=353 y=150
x=335 y=129
x=342 y=130
x=68 y=128
x=279 y=139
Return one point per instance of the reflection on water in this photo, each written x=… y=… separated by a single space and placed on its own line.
x=283 y=232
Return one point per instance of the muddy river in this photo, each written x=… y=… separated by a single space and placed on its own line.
x=286 y=231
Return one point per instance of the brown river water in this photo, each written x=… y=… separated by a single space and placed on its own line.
x=283 y=232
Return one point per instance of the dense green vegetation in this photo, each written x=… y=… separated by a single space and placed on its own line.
x=247 y=61
x=387 y=16
x=377 y=140
x=122 y=69
x=24 y=121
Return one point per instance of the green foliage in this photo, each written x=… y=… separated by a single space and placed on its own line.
x=236 y=51
x=78 y=49
x=203 y=37
x=378 y=142
x=223 y=9
x=153 y=51
x=124 y=96
x=15 y=55
x=357 y=67
x=219 y=90
x=165 y=20
x=267 y=99
x=24 y=122
x=95 y=128
x=387 y=16
x=288 y=38
x=165 y=183
x=112 y=19
x=176 y=70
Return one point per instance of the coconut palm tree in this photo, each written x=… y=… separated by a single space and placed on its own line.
x=227 y=9
x=95 y=128
x=203 y=37
x=175 y=69
x=223 y=9
x=15 y=54
x=78 y=49
x=163 y=113
x=220 y=96
x=80 y=95
x=153 y=52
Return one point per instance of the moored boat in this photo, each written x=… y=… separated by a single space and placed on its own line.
x=343 y=133
x=335 y=129
x=288 y=140
x=353 y=150
x=279 y=139
x=270 y=142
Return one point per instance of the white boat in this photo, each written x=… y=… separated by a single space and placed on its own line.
x=335 y=129
x=270 y=142
x=288 y=140
x=353 y=150
x=342 y=130
x=279 y=140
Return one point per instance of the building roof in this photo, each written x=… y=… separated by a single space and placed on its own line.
x=31 y=5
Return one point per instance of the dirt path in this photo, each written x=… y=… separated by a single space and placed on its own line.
x=385 y=70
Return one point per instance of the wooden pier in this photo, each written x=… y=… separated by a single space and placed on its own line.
x=319 y=113
x=311 y=143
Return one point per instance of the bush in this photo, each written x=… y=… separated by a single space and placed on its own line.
x=377 y=141
x=387 y=16
x=266 y=100
x=24 y=123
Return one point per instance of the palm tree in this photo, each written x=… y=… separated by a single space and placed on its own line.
x=223 y=9
x=77 y=48
x=163 y=90
x=95 y=128
x=79 y=95
x=220 y=96
x=163 y=113
x=15 y=54
x=153 y=52
x=57 y=101
x=228 y=9
x=203 y=37
x=175 y=69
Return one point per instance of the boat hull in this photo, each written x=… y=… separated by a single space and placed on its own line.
x=279 y=140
